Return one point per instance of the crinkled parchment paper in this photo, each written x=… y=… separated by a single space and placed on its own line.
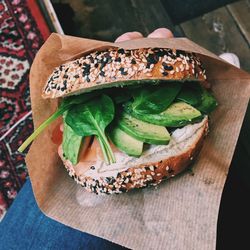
x=182 y=212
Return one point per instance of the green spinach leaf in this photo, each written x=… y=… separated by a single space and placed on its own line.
x=45 y=124
x=208 y=102
x=121 y=97
x=190 y=95
x=65 y=105
x=71 y=142
x=77 y=99
x=155 y=99
x=92 y=118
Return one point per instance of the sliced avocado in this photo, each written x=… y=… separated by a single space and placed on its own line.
x=177 y=115
x=125 y=142
x=143 y=131
x=208 y=102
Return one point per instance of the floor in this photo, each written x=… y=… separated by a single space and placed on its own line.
x=225 y=29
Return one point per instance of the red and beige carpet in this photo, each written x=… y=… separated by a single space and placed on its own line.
x=22 y=32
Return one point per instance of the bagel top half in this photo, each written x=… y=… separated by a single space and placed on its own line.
x=119 y=67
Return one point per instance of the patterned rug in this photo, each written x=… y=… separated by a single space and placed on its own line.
x=22 y=32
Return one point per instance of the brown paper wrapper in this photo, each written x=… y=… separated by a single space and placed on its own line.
x=180 y=213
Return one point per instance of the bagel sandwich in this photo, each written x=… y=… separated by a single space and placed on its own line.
x=130 y=118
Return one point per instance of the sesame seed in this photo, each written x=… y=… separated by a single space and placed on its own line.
x=130 y=71
x=118 y=59
x=167 y=67
x=151 y=168
x=137 y=170
x=121 y=51
x=169 y=58
x=133 y=61
x=102 y=73
x=141 y=66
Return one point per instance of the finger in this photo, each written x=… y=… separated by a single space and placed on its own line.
x=129 y=36
x=161 y=33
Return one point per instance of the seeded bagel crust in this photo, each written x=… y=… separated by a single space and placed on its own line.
x=119 y=67
x=150 y=174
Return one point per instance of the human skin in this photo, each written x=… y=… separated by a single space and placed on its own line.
x=158 y=33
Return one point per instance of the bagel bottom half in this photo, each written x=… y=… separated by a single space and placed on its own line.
x=157 y=163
